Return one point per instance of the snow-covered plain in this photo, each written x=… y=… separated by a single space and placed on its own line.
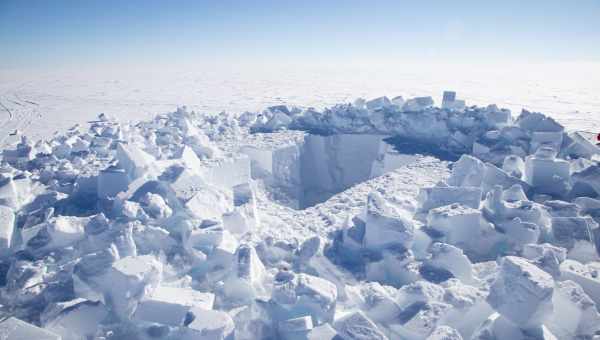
x=377 y=219
x=43 y=102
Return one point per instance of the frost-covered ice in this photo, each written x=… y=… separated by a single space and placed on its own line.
x=382 y=219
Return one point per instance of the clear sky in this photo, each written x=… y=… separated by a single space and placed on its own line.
x=56 y=33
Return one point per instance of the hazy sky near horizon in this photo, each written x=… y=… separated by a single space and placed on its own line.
x=38 y=33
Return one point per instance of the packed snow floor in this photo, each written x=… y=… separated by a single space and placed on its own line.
x=380 y=219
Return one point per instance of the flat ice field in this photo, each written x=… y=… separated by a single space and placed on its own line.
x=42 y=103
x=301 y=213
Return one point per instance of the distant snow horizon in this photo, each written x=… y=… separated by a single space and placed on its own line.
x=55 y=99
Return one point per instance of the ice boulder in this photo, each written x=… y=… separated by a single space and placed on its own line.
x=59 y=232
x=522 y=293
x=580 y=146
x=494 y=176
x=170 y=305
x=438 y=196
x=133 y=160
x=547 y=174
x=444 y=333
x=7 y=227
x=378 y=103
x=377 y=301
x=296 y=328
x=469 y=304
x=448 y=99
x=209 y=203
x=155 y=206
x=13 y=328
x=514 y=166
x=323 y=332
x=534 y=121
x=519 y=233
x=577 y=235
x=419 y=320
x=546 y=256
x=459 y=224
x=467 y=172
x=587 y=181
x=451 y=259
x=227 y=172
x=357 y=326
x=207 y=325
x=127 y=281
x=496 y=117
x=575 y=315
x=552 y=140
x=587 y=276
x=75 y=319
x=112 y=181
x=499 y=327
x=214 y=241
x=301 y=294
x=245 y=281
x=189 y=158
x=385 y=225
x=417 y=104
x=398 y=101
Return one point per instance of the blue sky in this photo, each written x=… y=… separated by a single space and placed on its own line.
x=80 y=32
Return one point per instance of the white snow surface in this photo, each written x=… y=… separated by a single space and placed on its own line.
x=382 y=219
x=43 y=102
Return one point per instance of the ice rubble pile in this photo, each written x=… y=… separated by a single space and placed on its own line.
x=145 y=232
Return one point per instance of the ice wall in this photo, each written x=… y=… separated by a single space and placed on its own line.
x=319 y=167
